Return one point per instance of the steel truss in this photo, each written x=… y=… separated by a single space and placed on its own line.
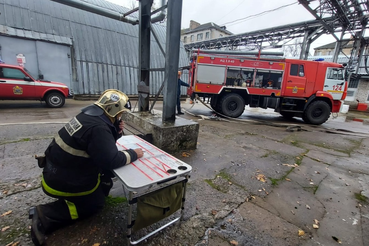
x=331 y=17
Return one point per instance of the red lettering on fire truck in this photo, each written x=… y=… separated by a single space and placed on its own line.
x=226 y=61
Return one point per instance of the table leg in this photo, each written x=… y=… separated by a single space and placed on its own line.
x=129 y=218
x=184 y=196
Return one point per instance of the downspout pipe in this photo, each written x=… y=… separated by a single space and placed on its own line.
x=98 y=10
x=162 y=15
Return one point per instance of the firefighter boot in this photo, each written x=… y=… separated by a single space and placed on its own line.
x=37 y=230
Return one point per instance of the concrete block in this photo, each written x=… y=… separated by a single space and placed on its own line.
x=170 y=137
x=362 y=106
x=344 y=108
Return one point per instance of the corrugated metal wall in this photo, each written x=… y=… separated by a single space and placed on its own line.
x=105 y=51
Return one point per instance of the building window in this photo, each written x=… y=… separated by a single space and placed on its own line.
x=354 y=83
x=207 y=35
x=367 y=99
x=192 y=38
x=352 y=90
x=199 y=37
x=185 y=39
x=351 y=94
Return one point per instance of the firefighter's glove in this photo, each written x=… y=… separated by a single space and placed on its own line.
x=41 y=161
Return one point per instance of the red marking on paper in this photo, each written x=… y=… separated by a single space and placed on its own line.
x=142 y=171
x=150 y=168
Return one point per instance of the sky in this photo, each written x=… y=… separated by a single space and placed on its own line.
x=241 y=16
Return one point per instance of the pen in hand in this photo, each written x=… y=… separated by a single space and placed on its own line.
x=139 y=152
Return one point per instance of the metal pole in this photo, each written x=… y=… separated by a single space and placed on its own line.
x=161 y=16
x=97 y=10
x=144 y=55
x=171 y=60
x=338 y=47
x=157 y=39
x=304 y=46
x=244 y=53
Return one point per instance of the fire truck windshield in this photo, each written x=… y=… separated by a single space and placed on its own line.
x=335 y=73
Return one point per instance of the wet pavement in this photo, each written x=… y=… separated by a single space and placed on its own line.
x=255 y=181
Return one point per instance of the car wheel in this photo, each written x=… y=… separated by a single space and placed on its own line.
x=232 y=105
x=55 y=100
x=317 y=113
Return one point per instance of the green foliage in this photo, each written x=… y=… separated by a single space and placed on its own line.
x=222 y=188
x=274 y=181
x=214 y=186
x=361 y=198
x=298 y=161
x=114 y=201
x=295 y=143
x=224 y=175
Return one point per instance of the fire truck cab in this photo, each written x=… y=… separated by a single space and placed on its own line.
x=301 y=88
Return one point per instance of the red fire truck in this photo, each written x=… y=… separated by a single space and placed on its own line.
x=301 y=88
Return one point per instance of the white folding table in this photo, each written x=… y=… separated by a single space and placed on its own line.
x=154 y=171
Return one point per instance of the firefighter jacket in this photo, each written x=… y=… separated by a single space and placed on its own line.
x=181 y=83
x=82 y=149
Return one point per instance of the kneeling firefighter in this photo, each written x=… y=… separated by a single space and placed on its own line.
x=78 y=163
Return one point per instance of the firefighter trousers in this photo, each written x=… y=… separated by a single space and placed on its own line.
x=66 y=211
x=179 y=110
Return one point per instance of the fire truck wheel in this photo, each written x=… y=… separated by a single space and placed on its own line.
x=305 y=119
x=54 y=100
x=213 y=101
x=215 y=104
x=232 y=105
x=317 y=113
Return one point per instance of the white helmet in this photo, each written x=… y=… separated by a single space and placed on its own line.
x=113 y=102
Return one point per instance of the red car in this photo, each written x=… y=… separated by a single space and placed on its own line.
x=16 y=83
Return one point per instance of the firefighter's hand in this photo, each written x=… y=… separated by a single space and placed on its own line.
x=139 y=152
x=120 y=126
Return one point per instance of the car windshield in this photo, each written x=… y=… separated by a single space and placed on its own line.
x=32 y=75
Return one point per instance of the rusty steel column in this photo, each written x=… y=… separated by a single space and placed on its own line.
x=143 y=86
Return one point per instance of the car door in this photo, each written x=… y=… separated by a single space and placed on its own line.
x=335 y=82
x=296 y=80
x=14 y=84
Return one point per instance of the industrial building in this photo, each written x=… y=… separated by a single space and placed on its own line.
x=88 y=52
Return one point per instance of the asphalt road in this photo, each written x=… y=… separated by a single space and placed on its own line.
x=255 y=181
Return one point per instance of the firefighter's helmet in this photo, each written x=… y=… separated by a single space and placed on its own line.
x=113 y=102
